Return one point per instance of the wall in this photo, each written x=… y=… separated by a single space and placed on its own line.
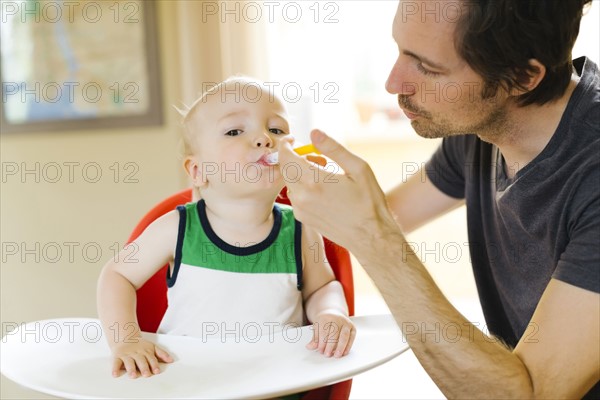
x=54 y=281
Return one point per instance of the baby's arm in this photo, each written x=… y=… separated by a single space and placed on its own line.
x=325 y=303
x=116 y=296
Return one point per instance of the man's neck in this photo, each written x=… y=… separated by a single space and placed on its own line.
x=527 y=130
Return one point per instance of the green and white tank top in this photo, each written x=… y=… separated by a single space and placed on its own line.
x=218 y=289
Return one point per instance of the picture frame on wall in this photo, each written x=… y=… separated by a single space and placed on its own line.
x=79 y=65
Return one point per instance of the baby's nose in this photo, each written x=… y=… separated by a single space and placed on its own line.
x=263 y=141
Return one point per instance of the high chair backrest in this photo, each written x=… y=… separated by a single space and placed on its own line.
x=152 y=296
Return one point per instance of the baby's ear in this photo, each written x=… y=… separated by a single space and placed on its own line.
x=195 y=172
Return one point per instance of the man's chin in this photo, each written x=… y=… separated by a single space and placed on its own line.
x=426 y=130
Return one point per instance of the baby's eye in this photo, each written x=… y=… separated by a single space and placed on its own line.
x=277 y=131
x=234 y=132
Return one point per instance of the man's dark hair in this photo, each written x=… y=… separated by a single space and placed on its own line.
x=497 y=38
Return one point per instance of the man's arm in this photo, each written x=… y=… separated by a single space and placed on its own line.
x=417 y=201
x=561 y=347
x=351 y=210
x=557 y=357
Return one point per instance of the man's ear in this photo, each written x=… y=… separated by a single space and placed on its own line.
x=194 y=171
x=529 y=79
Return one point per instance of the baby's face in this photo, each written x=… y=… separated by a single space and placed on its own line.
x=236 y=129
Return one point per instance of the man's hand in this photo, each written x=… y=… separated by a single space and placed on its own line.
x=333 y=334
x=348 y=208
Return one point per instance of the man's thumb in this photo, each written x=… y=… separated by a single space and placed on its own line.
x=329 y=147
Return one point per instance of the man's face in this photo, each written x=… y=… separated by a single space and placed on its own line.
x=436 y=89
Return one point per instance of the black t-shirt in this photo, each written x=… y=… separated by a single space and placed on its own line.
x=543 y=223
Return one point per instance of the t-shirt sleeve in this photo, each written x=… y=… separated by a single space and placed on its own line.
x=445 y=169
x=579 y=264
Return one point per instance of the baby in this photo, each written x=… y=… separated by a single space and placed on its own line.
x=235 y=256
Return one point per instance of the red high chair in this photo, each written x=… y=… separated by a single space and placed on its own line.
x=152 y=296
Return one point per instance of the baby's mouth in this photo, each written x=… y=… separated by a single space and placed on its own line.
x=267 y=159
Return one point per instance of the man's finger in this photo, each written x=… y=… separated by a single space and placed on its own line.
x=285 y=145
x=322 y=161
x=329 y=147
x=293 y=167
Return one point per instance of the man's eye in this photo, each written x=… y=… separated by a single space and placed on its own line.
x=234 y=132
x=425 y=71
x=277 y=131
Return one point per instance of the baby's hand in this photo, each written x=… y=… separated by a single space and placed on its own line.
x=333 y=334
x=138 y=355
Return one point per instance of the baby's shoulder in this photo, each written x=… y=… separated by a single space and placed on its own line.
x=165 y=225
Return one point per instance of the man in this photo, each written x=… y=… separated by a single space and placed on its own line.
x=521 y=129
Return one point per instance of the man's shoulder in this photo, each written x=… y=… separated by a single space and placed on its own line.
x=586 y=98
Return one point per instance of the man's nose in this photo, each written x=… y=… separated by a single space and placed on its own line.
x=398 y=82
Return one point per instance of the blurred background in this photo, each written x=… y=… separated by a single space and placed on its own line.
x=90 y=138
